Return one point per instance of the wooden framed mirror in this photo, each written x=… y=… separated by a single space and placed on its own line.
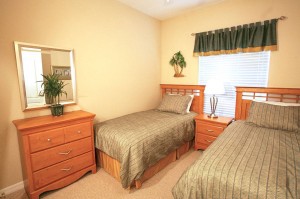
x=33 y=60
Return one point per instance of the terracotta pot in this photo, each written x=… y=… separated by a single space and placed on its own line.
x=178 y=75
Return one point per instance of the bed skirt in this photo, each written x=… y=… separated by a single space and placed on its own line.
x=112 y=166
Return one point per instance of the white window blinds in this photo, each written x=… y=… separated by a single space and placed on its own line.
x=243 y=69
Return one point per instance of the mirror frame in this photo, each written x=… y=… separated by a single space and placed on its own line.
x=23 y=96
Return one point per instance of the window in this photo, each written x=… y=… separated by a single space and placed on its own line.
x=32 y=68
x=243 y=69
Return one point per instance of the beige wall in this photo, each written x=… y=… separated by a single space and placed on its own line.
x=117 y=58
x=119 y=51
x=284 y=63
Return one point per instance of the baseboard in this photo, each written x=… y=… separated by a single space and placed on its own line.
x=13 y=188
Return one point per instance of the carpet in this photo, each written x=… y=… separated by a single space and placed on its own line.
x=102 y=186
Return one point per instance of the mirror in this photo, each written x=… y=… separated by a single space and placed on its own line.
x=33 y=61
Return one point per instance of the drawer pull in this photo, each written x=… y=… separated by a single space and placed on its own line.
x=68 y=169
x=208 y=130
x=49 y=140
x=65 y=153
x=209 y=141
x=78 y=132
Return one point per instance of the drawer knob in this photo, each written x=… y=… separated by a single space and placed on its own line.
x=208 y=130
x=209 y=141
x=78 y=132
x=67 y=169
x=49 y=140
x=65 y=153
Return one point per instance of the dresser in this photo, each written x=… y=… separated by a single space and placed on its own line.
x=208 y=129
x=55 y=151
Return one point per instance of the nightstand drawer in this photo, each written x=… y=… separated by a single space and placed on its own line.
x=208 y=129
x=63 y=169
x=77 y=131
x=204 y=140
x=46 y=139
x=58 y=154
x=211 y=130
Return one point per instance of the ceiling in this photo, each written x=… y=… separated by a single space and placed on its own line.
x=164 y=9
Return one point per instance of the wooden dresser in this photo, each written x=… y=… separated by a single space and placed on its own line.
x=55 y=151
x=208 y=129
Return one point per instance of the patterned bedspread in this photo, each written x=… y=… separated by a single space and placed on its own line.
x=141 y=139
x=245 y=162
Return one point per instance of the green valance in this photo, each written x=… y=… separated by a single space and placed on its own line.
x=254 y=37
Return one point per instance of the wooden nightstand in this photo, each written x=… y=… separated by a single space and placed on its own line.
x=207 y=130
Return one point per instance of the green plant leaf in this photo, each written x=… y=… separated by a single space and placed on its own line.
x=53 y=87
x=178 y=60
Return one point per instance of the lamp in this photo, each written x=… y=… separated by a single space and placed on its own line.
x=168 y=2
x=214 y=87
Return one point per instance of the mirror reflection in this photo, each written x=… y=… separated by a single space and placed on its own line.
x=33 y=61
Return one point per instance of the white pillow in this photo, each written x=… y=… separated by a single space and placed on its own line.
x=278 y=103
x=189 y=104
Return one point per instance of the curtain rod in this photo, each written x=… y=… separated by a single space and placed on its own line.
x=280 y=18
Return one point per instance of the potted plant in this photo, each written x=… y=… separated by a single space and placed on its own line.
x=53 y=89
x=178 y=64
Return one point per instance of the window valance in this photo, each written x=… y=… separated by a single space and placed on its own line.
x=252 y=37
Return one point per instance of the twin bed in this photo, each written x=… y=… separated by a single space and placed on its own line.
x=255 y=157
x=134 y=147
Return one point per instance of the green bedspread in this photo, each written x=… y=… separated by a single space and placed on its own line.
x=141 y=139
x=246 y=161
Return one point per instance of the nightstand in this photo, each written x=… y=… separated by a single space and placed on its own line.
x=208 y=129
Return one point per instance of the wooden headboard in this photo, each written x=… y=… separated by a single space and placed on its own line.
x=196 y=90
x=245 y=95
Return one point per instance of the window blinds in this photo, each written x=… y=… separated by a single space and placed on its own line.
x=243 y=69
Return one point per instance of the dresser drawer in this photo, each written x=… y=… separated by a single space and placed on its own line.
x=77 y=131
x=46 y=139
x=211 y=130
x=60 y=153
x=63 y=169
x=204 y=140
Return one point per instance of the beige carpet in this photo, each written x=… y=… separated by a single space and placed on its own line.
x=101 y=185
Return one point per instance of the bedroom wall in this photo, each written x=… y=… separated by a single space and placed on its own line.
x=284 y=63
x=117 y=57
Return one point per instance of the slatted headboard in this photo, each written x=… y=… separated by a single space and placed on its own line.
x=245 y=95
x=196 y=90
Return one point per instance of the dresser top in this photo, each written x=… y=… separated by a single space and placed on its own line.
x=33 y=122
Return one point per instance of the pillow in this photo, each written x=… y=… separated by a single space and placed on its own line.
x=279 y=103
x=274 y=116
x=174 y=103
x=190 y=103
